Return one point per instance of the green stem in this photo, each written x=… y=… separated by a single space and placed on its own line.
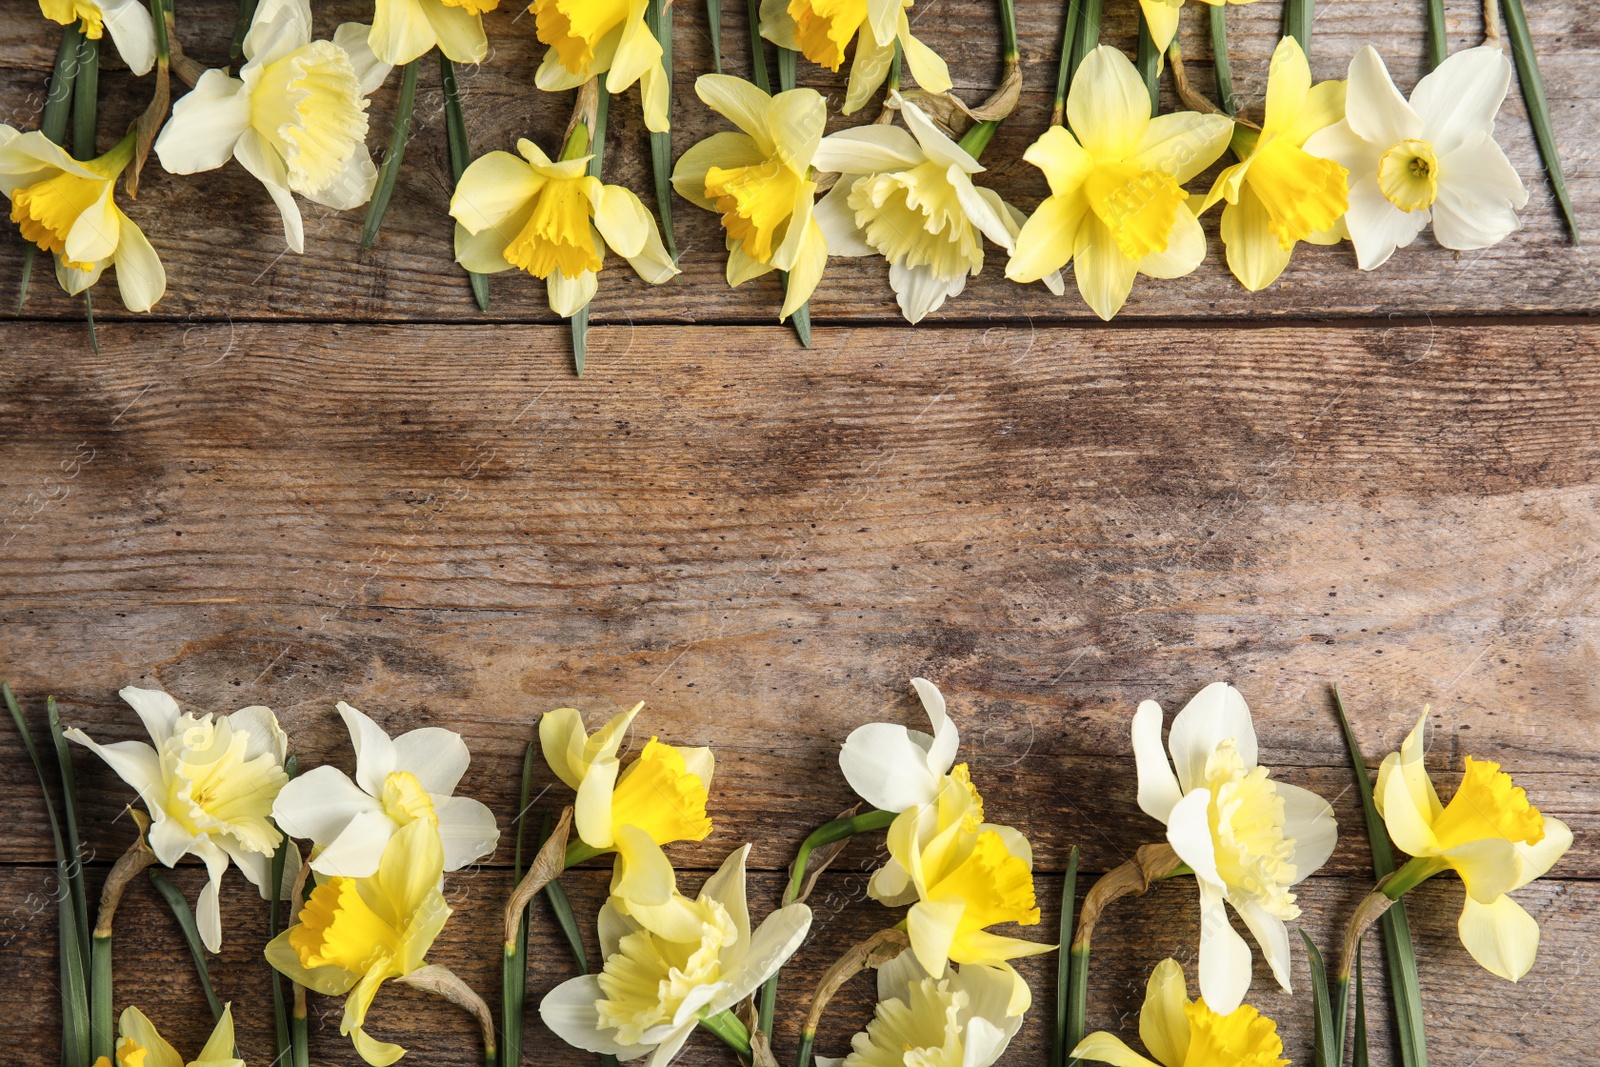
x=102 y=1033
x=158 y=16
x=280 y=1006
x=1077 y=999
x=977 y=139
x=299 y=1038
x=659 y=18
x=247 y=15
x=1088 y=38
x=1417 y=869
x=1438 y=44
x=53 y=123
x=802 y=1056
x=191 y=934
x=1069 y=897
x=1148 y=62
x=1064 y=65
x=1219 y=55
x=85 y=98
x=714 y=26
x=1008 y=30
x=1532 y=83
x=758 y=48
x=389 y=173
x=460 y=156
x=733 y=1033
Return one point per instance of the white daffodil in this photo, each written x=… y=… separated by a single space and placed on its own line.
x=1433 y=158
x=1246 y=837
x=959 y=1020
x=139 y=1044
x=660 y=979
x=398 y=781
x=894 y=768
x=209 y=782
x=909 y=197
x=132 y=29
x=295 y=117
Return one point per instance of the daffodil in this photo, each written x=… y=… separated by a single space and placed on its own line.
x=398 y=781
x=1117 y=207
x=894 y=768
x=959 y=1020
x=402 y=30
x=209 y=782
x=295 y=117
x=1178 y=1032
x=761 y=181
x=1432 y=158
x=662 y=794
x=553 y=220
x=139 y=1044
x=354 y=934
x=1162 y=18
x=658 y=983
x=587 y=38
x=909 y=197
x=1489 y=834
x=67 y=208
x=961 y=876
x=1247 y=838
x=132 y=29
x=821 y=30
x=1278 y=194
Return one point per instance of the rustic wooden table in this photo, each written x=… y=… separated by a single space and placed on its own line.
x=323 y=477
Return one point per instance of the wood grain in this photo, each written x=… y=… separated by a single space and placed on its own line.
x=221 y=241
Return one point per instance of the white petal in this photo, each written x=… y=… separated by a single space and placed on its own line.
x=1158 y=786
x=319 y=804
x=375 y=752
x=262 y=160
x=1374 y=107
x=135 y=763
x=986 y=214
x=867 y=150
x=467 y=829
x=355 y=853
x=436 y=756
x=887 y=768
x=774 y=941
x=1459 y=99
x=206 y=123
x=157 y=710
x=920 y=290
x=946 y=739
x=207 y=912
x=936 y=144
x=1377 y=227
x=671 y=1045
x=133 y=31
x=1224 y=955
x=1309 y=821
x=263 y=734
x=1189 y=834
x=1273 y=937
x=351 y=187
x=837 y=219
x=727 y=887
x=279 y=27
x=896 y=977
x=569 y=1011
x=354 y=38
x=1479 y=194
x=1217 y=713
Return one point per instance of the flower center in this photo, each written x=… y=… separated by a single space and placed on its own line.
x=914 y=217
x=47 y=210
x=129 y=1054
x=824 y=27
x=1302 y=193
x=1242 y=1038
x=755 y=202
x=1408 y=174
x=1488 y=804
x=213 y=788
x=647 y=979
x=660 y=795
x=1247 y=816
x=1137 y=205
x=996 y=886
x=558 y=234
x=309 y=104
x=574 y=27
x=338 y=928
x=405 y=801
x=923 y=1030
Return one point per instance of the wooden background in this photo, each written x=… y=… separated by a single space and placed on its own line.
x=323 y=477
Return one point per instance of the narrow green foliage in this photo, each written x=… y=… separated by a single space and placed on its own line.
x=1065 y=65
x=460 y=156
x=1077 y=1000
x=102 y=1032
x=88 y=318
x=787 y=73
x=1088 y=37
x=1327 y=1054
x=1404 y=986
x=660 y=22
x=1297 y=16
x=191 y=935
x=1148 y=62
x=69 y=822
x=1438 y=45
x=1219 y=55
x=247 y=15
x=85 y=99
x=758 y=48
x=514 y=964
x=389 y=173
x=597 y=147
x=1527 y=61
x=1069 y=899
x=1360 y=1057
x=280 y=1004
x=714 y=23
x=53 y=123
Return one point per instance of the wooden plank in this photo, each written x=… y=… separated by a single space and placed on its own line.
x=222 y=243
x=433 y=524
x=1472 y=1016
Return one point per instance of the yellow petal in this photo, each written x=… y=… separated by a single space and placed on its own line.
x=1288 y=84
x=1162 y=18
x=1104 y=274
x=1048 y=238
x=723 y=150
x=494 y=187
x=642 y=875
x=1163 y=1026
x=134 y=1026
x=1501 y=936
x=1488 y=867
x=1254 y=255
x=926 y=65
x=1324 y=106
x=561 y=739
x=219 y=1046
x=1063 y=160
x=1108 y=1048
x=1108 y=107
x=1182 y=144
x=807 y=270
x=400 y=31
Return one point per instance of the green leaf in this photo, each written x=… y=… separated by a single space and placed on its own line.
x=1404 y=986
x=1527 y=61
x=1148 y=63
x=597 y=147
x=758 y=48
x=69 y=822
x=460 y=156
x=1088 y=38
x=57 y=105
x=714 y=22
x=514 y=966
x=1438 y=46
x=1360 y=1056
x=1077 y=999
x=280 y=1005
x=1069 y=899
x=1297 y=18
x=86 y=99
x=787 y=73
x=247 y=15
x=102 y=1031
x=1064 y=65
x=660 y=23
x=1219 y=55
x=191 y=935
x=389 y=173
x=1327 y=1055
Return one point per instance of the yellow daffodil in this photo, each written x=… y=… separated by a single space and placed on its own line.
x=1162 y=18
x=1278 y=193
x=140 y=1045
x=658 y=981
x=129 y=21
x=66 y=207
x=1117 y=207
x=402 y=30
x=661 y=795
x=209 y=783
x=554 y=221
x=961 y=876
x=911 y=198
x=398 y=780
x=1247 y=838
x=1488 y=834
x=960 y=1020
x=354 y=934
x=587 y=38
x=761 y=181
x=1179 y=1032
x=821 y=30
x=295 y=117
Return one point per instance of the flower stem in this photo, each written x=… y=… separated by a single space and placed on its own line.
x=389 y=173
x=85 y=99
x=1219 y=56
x=1064 y=66
x=460 y=155
x=1069 y=899
x=1008 y=31
x=758 y=48
x=977 y=139
x=1148 y=61
x=102 y=1035
x=280 y=1006
x=1417 y=869
x=659 y=17
x=191 y=935
x=714 y=26
x=732 y=1032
